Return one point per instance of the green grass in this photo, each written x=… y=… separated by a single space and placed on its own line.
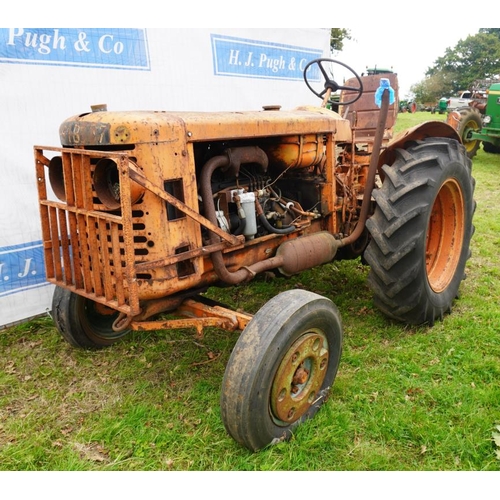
x=425 y=398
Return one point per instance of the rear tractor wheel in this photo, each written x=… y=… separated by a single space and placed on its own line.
x=421 y=231
x=465 y=121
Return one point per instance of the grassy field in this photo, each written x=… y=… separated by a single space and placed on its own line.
x=406 y=399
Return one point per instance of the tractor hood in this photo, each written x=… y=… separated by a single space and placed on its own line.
x=107 y=128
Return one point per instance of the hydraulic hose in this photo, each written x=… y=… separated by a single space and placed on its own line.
x=273 y=229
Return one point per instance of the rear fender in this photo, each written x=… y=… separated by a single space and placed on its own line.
x=428 y=129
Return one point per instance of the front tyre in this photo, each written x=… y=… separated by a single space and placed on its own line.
x=281 y=369
x=82 y=322
x=421 y=231
x=491 y=148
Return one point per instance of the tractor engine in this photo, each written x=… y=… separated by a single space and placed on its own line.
x=151 y=205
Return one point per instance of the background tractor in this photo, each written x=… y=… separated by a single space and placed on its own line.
x=479 y=122
x=441 y=107
x=142 y=212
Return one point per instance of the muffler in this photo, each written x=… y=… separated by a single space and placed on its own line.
x=306 y=252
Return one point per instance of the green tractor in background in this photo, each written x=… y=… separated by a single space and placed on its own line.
x=479 y=122
x=441 y=107
x=406 y=106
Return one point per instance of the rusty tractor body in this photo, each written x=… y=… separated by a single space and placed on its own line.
x=142 y=211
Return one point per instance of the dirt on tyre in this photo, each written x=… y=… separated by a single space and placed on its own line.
x=83 y=322
x=466 y=120
x=281 y=369
x=421 y=231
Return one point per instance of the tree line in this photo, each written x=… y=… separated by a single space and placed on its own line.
x=475 y=58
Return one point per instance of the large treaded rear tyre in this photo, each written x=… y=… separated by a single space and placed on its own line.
x=421 y=231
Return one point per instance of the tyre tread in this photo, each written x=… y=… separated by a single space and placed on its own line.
x=396 y=253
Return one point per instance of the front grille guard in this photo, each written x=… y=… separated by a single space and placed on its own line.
x=87 y=251
x=91 y=252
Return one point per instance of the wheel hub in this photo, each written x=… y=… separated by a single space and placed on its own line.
x=299 y=377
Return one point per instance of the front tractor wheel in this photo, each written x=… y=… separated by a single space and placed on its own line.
x=281 y=369
x=491 y=148
x=421 y=231
x=83 y=322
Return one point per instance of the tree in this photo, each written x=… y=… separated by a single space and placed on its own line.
x=430 y=90
x=493 y=31
x=476 y=57
x=337 y=37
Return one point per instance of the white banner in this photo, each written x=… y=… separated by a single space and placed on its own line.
x=50 y=74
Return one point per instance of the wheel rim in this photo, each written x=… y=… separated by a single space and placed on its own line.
x=445 y=234
x=97 y=320
x=470 y=126
x=299 y=378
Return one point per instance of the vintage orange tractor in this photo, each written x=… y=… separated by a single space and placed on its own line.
x=143 y=211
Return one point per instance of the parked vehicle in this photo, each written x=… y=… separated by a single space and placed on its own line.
x=406 y=106
x=441 y=107
x=459 y=101
x=479 y=123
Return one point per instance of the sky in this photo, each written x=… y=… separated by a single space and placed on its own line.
x=408 y=48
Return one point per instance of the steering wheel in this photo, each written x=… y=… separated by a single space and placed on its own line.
x=332 y=84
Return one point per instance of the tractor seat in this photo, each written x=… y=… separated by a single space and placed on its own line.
x=364 y=113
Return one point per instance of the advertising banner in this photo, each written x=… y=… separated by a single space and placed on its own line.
x=50 y=74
